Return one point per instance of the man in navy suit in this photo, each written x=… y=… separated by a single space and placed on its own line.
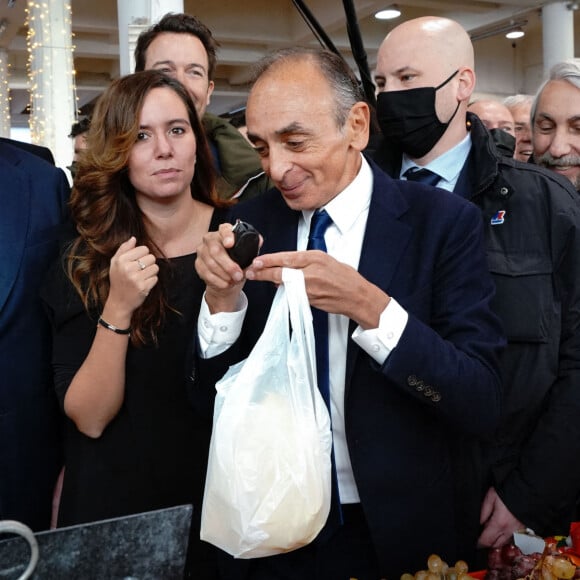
x=33 y=199
x=42 y=152
x=412 y=340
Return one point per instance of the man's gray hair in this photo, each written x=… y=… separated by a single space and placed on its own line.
x=344 y=83
x=563 y=71
x=515 y=101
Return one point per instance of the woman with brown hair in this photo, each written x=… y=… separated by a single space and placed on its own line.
x=124 y=300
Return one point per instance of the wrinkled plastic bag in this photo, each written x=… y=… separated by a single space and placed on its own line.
x=268 y=485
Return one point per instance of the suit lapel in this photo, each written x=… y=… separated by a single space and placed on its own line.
x=14 y=220
x=386 y=238
x=277 y=223
x=285 y=222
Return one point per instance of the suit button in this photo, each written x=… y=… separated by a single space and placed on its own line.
x=420 y=386
x=428 y=391
x=412 y=380
x=436 y=397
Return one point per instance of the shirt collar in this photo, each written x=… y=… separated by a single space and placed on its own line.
x=448 y=165
x=345 y=208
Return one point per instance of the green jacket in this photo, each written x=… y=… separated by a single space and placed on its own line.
x=238 y=164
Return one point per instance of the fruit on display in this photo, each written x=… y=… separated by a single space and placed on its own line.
x=438 y=569
x=509 y=563
x=559 y=560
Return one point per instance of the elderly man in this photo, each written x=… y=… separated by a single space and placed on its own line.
x=556 y=122
x=406 y=293
x=520 y=107
x=493 y=114
x=499 y=121
x=425 y=70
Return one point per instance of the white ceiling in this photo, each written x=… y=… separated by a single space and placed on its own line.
x=246 y=30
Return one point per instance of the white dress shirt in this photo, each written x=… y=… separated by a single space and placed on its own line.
x=344 y=237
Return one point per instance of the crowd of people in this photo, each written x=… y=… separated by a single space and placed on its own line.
x=449 y=283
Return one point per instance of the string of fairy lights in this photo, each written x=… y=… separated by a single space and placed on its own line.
x=4 y=94
x=50 y=53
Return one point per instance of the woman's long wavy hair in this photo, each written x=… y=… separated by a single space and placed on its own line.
x=103 y=204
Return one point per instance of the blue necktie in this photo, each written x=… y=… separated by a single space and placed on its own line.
x=422 y=176
x=320 y=222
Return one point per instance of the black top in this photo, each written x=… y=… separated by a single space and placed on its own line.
x=153 y=454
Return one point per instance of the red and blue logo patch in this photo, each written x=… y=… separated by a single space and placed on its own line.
x=498 y=218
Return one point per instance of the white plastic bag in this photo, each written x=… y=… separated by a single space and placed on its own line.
x=268 y=484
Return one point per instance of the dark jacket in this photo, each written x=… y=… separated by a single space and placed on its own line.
x=33 y=202
x=438 y=386
x=531 y=218
x=42 y=152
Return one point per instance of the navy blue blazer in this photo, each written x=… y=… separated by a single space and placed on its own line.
x=33 y=197
x=412 y=425
x=42 y=152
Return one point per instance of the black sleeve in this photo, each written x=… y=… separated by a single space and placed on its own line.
x=73 y=329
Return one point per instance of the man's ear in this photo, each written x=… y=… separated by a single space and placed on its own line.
x=210 y=89
x=466 y=84
x=359 y=125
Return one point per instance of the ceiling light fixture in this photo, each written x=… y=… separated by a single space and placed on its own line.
x=515 y=33
x=388 y=13
x=513 y=29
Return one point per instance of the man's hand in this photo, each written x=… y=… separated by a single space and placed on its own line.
x=224 y=279
x=331 y=285
x=499 y=522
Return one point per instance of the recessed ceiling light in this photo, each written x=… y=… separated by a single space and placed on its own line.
x=514 y=33
x=388 y=13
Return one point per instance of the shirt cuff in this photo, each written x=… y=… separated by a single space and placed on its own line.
x=380 y=342
x=217 y=332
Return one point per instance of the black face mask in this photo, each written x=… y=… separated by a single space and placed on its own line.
x=504 y=142
x=409 y=121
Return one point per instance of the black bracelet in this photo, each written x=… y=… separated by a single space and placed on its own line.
x=115 y=329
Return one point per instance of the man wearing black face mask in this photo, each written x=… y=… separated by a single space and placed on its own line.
x=425 y=77
x=413 y=122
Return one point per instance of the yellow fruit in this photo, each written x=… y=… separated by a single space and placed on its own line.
x=435 y=564
x=562 y=568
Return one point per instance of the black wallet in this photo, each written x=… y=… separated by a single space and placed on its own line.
x=247 y=244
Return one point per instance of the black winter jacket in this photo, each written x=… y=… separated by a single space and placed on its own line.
x=532 y=221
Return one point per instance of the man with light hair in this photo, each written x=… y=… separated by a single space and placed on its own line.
x=493 y=114
x=520 y=107
x=499 y=121
x=556 y=122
